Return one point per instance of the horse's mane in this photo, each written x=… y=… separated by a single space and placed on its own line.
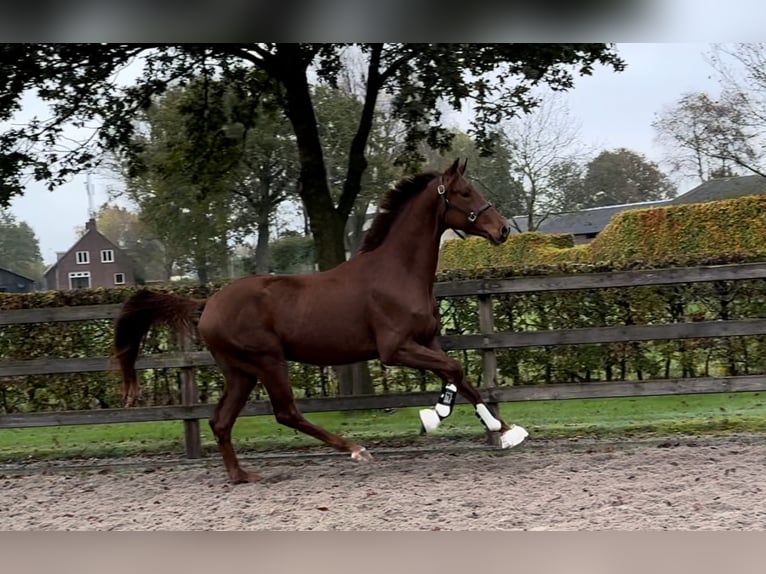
x=392 y=205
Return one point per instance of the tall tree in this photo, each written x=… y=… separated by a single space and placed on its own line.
x=263 y=168
x=566 y=180
x=741 y=70
x=538 y=144
x=704 y=136
x=188 y=212
x=623 y=176
x=78 y=80
x=19 y=247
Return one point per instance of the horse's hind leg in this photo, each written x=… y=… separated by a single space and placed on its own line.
x=238 y=387
x=273 y=373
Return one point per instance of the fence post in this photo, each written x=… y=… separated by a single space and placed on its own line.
x=190 y=396
x=489 y=360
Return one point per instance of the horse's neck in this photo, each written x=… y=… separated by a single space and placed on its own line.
x=415 y=235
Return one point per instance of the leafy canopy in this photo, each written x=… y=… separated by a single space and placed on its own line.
x=82 y=85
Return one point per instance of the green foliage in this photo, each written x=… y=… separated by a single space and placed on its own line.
x=521 y=250
x=623 y=176
x=19 y=248
x=292 y=254
x=186 y=210
x=81 y=339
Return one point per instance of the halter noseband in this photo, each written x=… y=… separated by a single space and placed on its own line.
x=471 y=215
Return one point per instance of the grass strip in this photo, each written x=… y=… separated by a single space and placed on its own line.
x=703 y=414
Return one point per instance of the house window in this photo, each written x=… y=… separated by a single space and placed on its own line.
x=82 y=257
x=79 y=279
x=119 y=278
x=107 y=256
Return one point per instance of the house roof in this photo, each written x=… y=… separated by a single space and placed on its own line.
x=594 y=219
x=591 y=220
x=19 y=275
x=724 y=188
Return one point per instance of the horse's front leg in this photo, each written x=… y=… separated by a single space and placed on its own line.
x=450 y=371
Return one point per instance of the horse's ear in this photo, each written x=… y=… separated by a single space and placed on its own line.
x=462 y=169
x=453 y=168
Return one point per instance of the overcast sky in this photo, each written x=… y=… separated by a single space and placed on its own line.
x=614 y=109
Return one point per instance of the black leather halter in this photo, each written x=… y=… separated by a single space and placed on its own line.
x=471 y=215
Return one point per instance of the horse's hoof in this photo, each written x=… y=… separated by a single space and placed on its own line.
x=430 y=419
x=361 y=455
x=513 y=436
x=243 y=477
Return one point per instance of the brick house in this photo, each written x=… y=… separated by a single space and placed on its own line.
x=93 y=261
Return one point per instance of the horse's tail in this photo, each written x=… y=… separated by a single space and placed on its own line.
x=140 y=312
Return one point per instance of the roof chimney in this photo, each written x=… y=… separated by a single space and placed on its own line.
x=90 y=225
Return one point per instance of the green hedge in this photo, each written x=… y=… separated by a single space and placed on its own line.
x=735 y=226
x=716 y=232
x=80 y=339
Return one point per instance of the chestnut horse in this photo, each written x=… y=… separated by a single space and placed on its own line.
x=378 y=304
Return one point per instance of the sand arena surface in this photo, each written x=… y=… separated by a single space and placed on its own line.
x=677 y=483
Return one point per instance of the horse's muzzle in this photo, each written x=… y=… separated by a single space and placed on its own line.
x=501 y=235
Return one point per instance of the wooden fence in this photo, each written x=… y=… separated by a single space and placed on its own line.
x=487 y=341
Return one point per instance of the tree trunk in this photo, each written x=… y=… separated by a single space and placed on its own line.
x=262 y=252
x=327 y=225
x=326 y=222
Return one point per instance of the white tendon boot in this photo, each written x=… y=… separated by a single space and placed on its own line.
x=431 y=418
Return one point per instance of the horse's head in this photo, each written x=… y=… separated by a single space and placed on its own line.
x=465 y=209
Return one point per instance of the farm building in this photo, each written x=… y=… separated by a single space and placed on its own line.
x=11 y=282
x=93 y=261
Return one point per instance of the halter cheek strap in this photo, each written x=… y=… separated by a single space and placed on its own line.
x=471 y=215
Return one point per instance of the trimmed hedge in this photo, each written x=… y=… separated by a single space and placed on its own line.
x=521 y=249
x=729 y=231
x=79 y=339
x=735 y=226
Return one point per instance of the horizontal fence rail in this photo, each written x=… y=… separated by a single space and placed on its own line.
x=589 y=336
x=595 y=390
x=611 y=279
x=487 y=341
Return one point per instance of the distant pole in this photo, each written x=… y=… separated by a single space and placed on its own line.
x=89 y=189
